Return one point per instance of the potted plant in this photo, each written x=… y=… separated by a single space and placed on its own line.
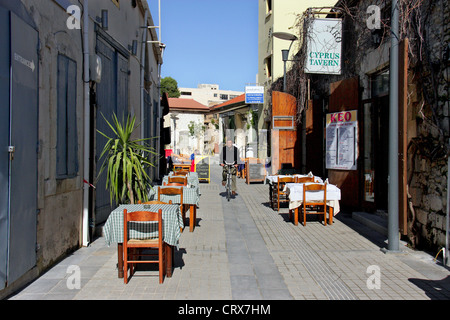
x=126 y=161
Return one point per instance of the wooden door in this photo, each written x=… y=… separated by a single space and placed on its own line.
x=284 y=130
x=345 y=97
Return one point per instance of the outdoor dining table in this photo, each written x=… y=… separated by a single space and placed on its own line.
x=295 y=193
x=172 y=222
x=191 y=198
x=273 y=179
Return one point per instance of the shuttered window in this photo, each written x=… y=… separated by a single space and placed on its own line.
x=67 y=142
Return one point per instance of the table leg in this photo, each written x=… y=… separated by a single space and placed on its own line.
x=120 y=259
x=192 y=217
x=270 y=196
x=296 y=216
x=169 y=260
x=331 y=215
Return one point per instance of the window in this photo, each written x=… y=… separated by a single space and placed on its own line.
x=223 y=97
x=185 y=93
x=268 y=66
x=380 y=84
x=67 y=141
x=268 y=6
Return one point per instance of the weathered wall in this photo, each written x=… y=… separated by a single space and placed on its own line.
x=429 y=106
x=60 y=201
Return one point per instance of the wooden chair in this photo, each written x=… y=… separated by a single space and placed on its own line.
x=304 y=179
x=173 y=191
x=155 y=202
x=178 y=179
x=320 y=203
x=136 y=244
x=282 y=195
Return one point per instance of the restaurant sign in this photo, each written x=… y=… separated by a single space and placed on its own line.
x=342 y=140
x=324 y=46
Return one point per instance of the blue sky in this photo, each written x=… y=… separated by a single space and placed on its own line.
x=209 y=41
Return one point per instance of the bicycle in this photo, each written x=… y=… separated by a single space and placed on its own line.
x=229 y=166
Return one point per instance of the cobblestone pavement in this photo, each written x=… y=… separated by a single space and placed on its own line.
x=243 y=249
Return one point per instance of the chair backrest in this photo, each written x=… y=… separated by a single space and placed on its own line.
x=315 y=187
x=285 y=179
x=174 y=184
x=141 y=216
x=304 y=179
x=282 y=180
x=181 y=173
x=178 y=179
x=171 y=191
x=157 y=202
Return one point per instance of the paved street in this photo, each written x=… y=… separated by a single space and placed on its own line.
x=242 y=250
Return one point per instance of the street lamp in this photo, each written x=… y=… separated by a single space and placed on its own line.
x=285 y=52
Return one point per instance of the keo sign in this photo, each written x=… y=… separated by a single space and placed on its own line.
x=346 y=116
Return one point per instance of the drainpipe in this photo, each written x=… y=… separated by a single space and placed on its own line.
x=448 y=211
x=144 y=44
x=159 y=116
x=86 y=163
x=393 y=231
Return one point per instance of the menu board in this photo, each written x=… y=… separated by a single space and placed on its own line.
x=255 y=170
x=341 y=140
x=202 y=167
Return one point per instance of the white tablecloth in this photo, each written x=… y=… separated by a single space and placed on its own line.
x=295 y=192
x=274 y=179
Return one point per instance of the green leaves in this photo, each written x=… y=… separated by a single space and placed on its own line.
x=126 y=162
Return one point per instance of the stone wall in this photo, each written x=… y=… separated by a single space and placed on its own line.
x=427 y=154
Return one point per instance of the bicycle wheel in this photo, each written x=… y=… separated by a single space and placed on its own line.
x=228 y=189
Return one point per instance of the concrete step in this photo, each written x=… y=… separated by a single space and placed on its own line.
x=372 y=221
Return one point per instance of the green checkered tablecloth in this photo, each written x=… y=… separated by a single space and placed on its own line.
x=172 y=222
x=190 y=195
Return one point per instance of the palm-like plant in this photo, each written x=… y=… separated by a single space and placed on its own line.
x=126 y=161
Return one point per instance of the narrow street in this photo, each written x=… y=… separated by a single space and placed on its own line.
x=244 y=250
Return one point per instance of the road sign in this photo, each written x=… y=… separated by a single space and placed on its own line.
x=254 y=94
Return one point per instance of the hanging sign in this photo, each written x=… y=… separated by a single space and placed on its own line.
x=341 y=140
x=324 y=46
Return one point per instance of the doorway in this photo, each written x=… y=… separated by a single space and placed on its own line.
x=112 y=98
x=19 y=144
x=376 y=151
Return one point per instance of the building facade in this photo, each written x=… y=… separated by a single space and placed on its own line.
x=186 y=120
x=278 y=16
x=359 y=98
x=208 y=94
x=65 y=66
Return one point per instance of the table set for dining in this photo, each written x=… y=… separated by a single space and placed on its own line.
x=172 y=218
x=295 y=193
